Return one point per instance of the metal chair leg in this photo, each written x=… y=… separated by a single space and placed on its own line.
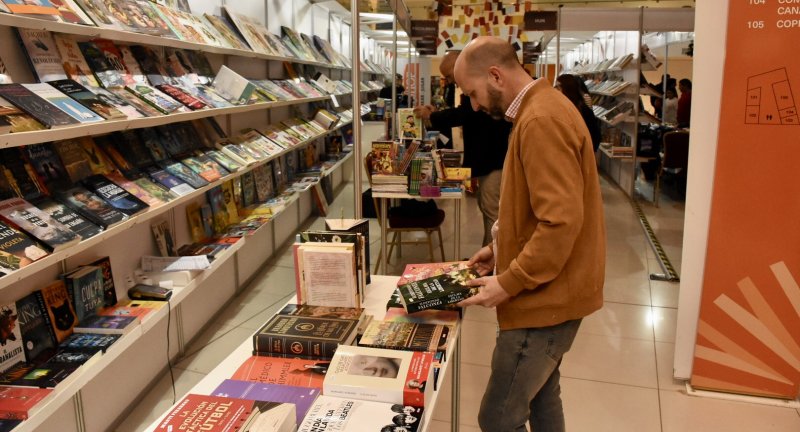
x=430 y=245
x=391 y=245
x=441 y=245
x=656 y=189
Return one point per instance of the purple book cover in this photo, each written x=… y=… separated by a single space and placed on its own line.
x=302 y=397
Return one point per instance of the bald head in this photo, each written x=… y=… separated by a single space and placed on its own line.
x=448 y=64
x=489 y=72
x=487 y=51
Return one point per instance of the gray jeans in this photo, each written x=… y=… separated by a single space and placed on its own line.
x=524 y=384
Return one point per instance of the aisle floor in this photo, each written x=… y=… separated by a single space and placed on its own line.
x=617 y=378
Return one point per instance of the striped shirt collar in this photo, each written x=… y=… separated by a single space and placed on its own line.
x=513 y=109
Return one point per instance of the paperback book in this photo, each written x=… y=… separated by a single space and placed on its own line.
x=232 y=86
x=55 y=300
x=73 y=62
x=447 y=288
x=406 y=336
x=40 y=109
x=64 y=103
x=301 y=397
x=88 y=99
x=69 y=218
x=334 y=414
x=105 y=324
x=38 y=338
x=42 y=54
x=18 y=402
x=16 y=249
x=91 y=207
x=114 y=195
x=222 y=414
x=38 y=224
x=283 y=371
x=11 y=349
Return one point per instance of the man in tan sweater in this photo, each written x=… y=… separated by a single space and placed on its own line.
x=548 y=251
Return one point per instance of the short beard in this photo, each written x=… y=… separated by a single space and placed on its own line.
x=495 y=110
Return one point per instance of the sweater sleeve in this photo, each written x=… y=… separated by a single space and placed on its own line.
x=549 y=151
x=447 y=119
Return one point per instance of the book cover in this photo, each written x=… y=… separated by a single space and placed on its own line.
x=38 y=338
x=85 y=289
x=99 y=162
x=405 y=336
x=16 y=119
x=229 y=199
x=40 y=9
x=179 y=95
x=301 y=397
x=195 y=220
x=225 y=28
x=105 y=324
x=109 y=292
x=382 y=157
x=379 y=375
x=99 y=14
x=136 y=190
x=204 y=168
x=417 y=272
x=322 y=311
x=340 y=415
x=283 y=371
x=71 y=12
x=232 y=86
x=251 y=31
x=223 y=159
x=73 y=158
x=130 y=106
x=64 y=103
x=11 y=347
x=128 y=311
x=38 y=224
x=89 y=342
x=447 y=288
x=155 y=190
x=328 y=274
x=308 y=337
x=221 y=414
x=91 y=207
x=55 y=300
x=114 y=195
x=73 y=357
x=109 y=75
x=16 y=403
x=40 y=109
x=69 y=218
x=42 y=54
x=16 y=249
x=73 y=62
x=47 y=375
x=88 y=99
x=155 y=98
x=172 y=183
x=218 y=209
x=427 y=316
x=183 y=172
x=248 y=189
x=264 y=185
x=18 y=177
x=131 y=99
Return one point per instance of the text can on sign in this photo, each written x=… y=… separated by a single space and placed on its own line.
x=541 y=20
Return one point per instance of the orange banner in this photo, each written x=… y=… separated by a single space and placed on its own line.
x=748 y=337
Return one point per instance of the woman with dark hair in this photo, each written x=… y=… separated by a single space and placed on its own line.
x=570 y=85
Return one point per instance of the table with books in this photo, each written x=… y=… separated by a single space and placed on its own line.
x=329 y=407
x=385 y=197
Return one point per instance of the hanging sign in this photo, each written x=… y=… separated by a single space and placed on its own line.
x=541 y=21
x=424 y=28
x=531 y=52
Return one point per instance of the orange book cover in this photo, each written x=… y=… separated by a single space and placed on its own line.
x=284 y=371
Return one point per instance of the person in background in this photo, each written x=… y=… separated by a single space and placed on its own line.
x=549 y=241
x=670 y=110
x=386 y=91
x=685 y=103
x=485 y=144
x=587 y=96
x=570 y=85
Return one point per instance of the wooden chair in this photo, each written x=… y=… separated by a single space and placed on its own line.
x=674 y=159
x=398 y=223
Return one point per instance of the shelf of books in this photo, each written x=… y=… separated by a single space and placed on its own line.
x=337 y=381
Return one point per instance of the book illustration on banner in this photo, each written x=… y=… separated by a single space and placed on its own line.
x=347 y=414
x=223 y=414
x=37 y=223
x=301 y=397
x=447 y=288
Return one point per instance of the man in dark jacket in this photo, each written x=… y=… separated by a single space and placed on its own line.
x=485 y=144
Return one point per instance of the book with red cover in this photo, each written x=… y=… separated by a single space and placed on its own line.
x=217 y=414
x=285 y=371
x=16 y=402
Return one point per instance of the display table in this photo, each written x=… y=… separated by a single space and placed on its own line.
x=377 y=293
x=384 y=198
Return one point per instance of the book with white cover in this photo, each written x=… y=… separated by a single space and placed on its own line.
x=380 y=375
x=232 y=86
x=327 y=274
x=63 y=102
x=333 y=414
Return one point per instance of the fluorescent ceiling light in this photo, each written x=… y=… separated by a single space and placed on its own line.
x=377 y=16
x=400 y=33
